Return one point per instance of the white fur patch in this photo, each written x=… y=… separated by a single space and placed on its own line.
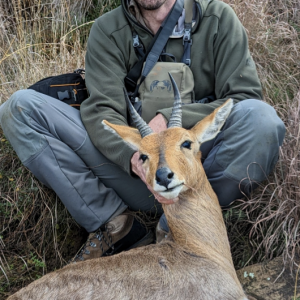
x=224 y=112
x=177 y=184
x=220 y=118
x=106 y=127
x=172 y=194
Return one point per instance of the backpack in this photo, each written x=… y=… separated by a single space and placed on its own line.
x=69 y=88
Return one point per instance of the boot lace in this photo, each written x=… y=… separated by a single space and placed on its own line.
x=89 y=243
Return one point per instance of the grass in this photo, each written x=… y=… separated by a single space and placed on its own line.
x=269 y=223
x=37 y=233
x=40 y=38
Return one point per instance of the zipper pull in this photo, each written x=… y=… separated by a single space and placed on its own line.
x=74 y=94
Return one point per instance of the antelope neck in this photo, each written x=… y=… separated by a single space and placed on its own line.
x=196 y=224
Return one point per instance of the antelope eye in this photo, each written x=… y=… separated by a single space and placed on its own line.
x=143 y=157
x=186 y=144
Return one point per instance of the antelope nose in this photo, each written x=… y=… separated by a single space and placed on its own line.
x=164 y=176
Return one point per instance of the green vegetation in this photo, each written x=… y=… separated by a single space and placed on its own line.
x=40 y=38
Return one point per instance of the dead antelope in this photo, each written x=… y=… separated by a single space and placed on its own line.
x=195 y=261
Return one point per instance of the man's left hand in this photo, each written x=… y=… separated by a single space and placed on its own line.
x=157 y=124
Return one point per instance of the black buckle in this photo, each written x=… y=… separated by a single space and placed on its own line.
x=188 y=62
x=131 y=97
x=187 y=35
x=136 y=41
x=63 y=95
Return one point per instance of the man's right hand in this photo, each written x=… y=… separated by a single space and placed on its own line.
x=137 y=168
x=158 y=123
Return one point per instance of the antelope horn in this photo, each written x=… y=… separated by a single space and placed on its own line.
x=176 y=117
x=140 y=124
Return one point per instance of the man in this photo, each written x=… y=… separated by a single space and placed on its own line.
x=97 y=175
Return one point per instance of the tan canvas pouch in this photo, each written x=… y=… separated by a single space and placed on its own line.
x=156 y=91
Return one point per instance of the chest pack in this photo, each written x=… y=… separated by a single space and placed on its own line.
x=156 y=92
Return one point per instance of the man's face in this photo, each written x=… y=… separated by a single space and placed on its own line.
x=150 y=4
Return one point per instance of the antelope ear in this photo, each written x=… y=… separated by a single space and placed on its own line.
x=128 y=134
x=210 y=126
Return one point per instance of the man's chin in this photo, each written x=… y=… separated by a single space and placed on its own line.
x=150 y=5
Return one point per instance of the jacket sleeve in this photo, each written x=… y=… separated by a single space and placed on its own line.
x=105 y=72
x=235 y=74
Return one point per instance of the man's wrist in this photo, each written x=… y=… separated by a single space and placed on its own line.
x=158 y=123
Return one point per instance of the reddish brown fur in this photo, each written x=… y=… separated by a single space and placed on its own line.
x=194 y=262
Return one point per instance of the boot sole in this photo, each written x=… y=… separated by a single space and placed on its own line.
x=146 y=240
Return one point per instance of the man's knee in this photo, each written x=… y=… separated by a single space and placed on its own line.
x=262 y=120
x=16 y=124
x=250 y=142
x=22 y=96
x=25 y=99
x=19 y=102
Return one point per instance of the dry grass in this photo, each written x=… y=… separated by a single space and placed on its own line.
x=267 y=224
x=273 y=211
x=39 y=39
x=42 y=38
x=273 y=29
x=30 y=43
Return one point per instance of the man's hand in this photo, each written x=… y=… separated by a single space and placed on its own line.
x=157 y=124
x=137 y=168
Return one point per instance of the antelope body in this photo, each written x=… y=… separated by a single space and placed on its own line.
x=194 y=262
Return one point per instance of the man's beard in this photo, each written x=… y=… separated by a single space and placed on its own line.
x=153 y=5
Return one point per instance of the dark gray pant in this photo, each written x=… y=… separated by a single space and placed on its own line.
x=50 y=139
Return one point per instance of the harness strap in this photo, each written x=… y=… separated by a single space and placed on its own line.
x=187 y=36
x=188 y=6
x=137 y=45
x=160 y=43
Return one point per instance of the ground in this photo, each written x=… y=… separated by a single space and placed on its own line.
x=262 y=283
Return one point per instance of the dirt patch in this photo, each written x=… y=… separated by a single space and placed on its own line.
x=260 y=281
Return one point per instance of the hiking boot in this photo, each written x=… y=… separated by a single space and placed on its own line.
x=123 y=232
x=160 y=233
x=162 y=229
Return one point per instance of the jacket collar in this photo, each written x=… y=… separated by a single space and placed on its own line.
x=135 y=17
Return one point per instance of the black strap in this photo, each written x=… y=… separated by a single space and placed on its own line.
x=154 y=51
x=135 y=72
x=187 y=36
x=160 y=43
x=165 y=54
x=137 y=45
x=187 y=44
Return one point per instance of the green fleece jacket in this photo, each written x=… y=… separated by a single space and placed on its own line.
x=221 y=65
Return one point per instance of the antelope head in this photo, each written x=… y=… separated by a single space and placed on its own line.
x=172 y=158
